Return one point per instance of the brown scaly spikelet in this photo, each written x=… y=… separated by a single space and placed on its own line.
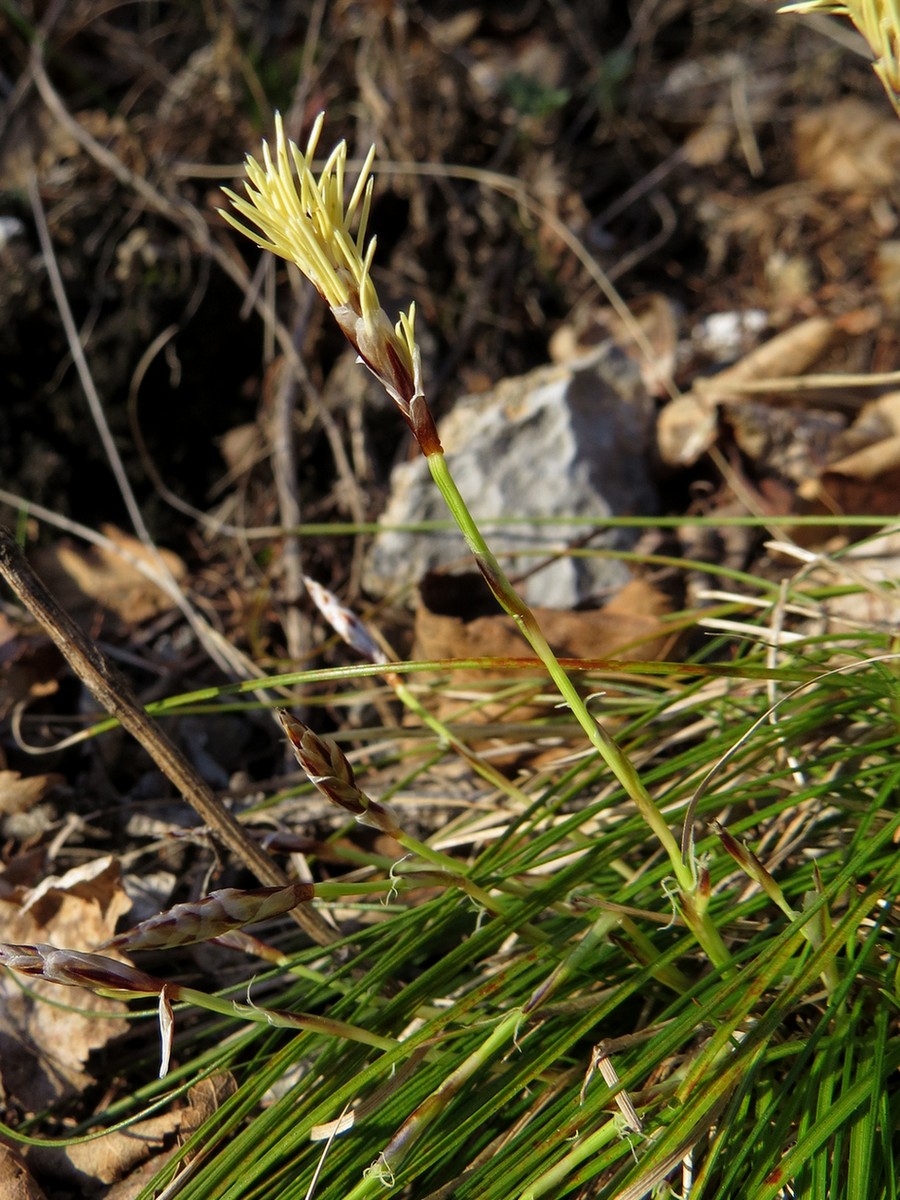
x=328 y=768
x=220 y=912
x=344 y=622
x=77 y=969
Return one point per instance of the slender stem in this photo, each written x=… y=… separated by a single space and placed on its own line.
x=473 y=890
x=382 y=1174
x=513 y=604
x=562 y=1171
x=308 y=1022
x=487 y=772
x=617 y=761
x=575 y=957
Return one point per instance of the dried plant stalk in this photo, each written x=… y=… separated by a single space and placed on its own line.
x=118 y=698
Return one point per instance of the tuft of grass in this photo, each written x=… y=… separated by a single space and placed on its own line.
x=484 y=1020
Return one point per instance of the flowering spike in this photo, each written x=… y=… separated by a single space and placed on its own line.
x=76 y=969
x=366 y=195
x=213 y=915
x=329 y=769
x=879 y=23
x=308 y=222
x=344 y=622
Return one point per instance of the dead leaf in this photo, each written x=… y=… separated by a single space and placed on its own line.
x=653 y=328
x=875 y=564
x=43 y=1048
x=866 y=477
x=22 y=869
x=878 y=419
x=628 y=628
x=16 y=1182
x=18 y=793
x=710 y=144
x=120 y=1162
x=849 y=146
x=871 y=462
x=865 y=483
x=788 y=354
x=30 y=666
x=107 y=576
x=687 y=426
x=793 y=442
x=242 y=448
x=887 y=275
x=686 y=429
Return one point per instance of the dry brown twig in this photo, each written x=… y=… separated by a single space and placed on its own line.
x=117 y=698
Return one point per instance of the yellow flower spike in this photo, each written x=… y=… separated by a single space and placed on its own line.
x=307 y=221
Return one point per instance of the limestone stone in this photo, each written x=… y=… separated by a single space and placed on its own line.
x=567 y=440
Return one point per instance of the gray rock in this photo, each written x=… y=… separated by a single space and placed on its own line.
x=564 y=440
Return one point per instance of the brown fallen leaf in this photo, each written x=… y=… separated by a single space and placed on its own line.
x=878 y=419
x=849 y=146
x=872 y=462
x=18 y=793
x=686 y=429
x=790 y=441
x=106 y=576
x=865 y=493
x=44 y=1048
x=865 y=478
x=887 y=275
x=30 y=666
x=861 y=474
x=628 y=628
x=115 y=1163
x=649 y=337
x=787 y=354
x=16 y=1182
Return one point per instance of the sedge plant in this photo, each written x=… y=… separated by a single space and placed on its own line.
x=309 y=221
x=468 y=1039
x=480 y=1080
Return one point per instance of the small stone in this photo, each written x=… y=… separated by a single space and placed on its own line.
x=565 y=440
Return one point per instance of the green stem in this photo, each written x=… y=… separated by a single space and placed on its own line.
x=618 y=762
x=550 y=1182
x=383 y=1172
x=477 y=893
x=583 y=950
x=448 y=874
x=307 y=1022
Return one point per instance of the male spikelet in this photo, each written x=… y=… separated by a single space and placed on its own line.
x=307 y=221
